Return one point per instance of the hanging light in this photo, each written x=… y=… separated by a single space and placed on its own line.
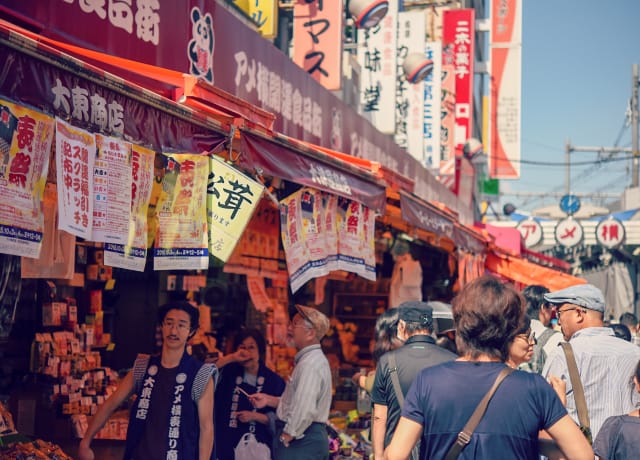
x=416 y=67
x=368 y=13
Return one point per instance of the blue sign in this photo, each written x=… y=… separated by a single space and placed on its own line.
x=570 y=204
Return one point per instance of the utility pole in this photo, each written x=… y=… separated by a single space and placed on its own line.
x=567 y=166
x=634 y=124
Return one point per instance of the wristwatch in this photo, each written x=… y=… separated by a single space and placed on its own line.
x=284 y=441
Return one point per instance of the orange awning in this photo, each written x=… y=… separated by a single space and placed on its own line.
x=528 y=273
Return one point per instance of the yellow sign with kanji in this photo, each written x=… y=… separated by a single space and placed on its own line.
x=264 y=13
x=232 y=198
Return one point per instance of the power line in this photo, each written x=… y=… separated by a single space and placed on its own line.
x=563 y=163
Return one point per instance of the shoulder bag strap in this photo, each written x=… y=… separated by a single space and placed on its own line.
x=464 y=437
x=576 y=383
x=393 y=369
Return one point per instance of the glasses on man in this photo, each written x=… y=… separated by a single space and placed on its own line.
x=170 y=324
x=560 y=312
x=528 y=336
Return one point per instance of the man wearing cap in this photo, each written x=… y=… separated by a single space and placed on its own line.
x=419 y=351
x=605 y=363
x=303 y=408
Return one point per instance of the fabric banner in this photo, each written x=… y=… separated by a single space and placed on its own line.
x=75 y=157
x=423 y=216
x=356 y=251
x=133 y=254
x=181 y=238
x=25 y=146
x=293 y=242
x=505 y=95
x=317 y=40
x=276 y=160
x=111 y=190
x=232 y=198
x=432 y=111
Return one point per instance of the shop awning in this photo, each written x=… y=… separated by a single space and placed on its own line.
x=280 y=156
x=426 y=216
x=469 y=239
x=528 y=273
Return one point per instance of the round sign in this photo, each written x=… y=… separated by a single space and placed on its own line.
x=570 y=204
x=531 y=232
x=569 y=232
x=610 y=232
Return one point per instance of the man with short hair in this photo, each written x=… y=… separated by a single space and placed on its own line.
x=631 y=321
x=173 y=413
x=540 y=313
x=419 y=351
x=303 y=408
x=605 y=363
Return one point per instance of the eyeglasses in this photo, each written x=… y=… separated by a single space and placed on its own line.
x=529 y=337
x=169 y=324
x=302 y=324
x=560 y=312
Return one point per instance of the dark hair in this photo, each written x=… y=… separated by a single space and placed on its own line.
x=526 y=325
x=385 y=332
x=487 y=314
x=534 y=299
x=255 y=335
x=621 y=331
x=629 y=319
x=183 y=305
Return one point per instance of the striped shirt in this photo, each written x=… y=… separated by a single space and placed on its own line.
x=307 y=396
x=606 y=365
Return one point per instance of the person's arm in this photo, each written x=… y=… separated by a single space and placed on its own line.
x=205 y=416
x=237 y=356
x=262 y=400
x=247 y=416
x=404 y=439
x=114 y=401
x=570 y=440
x=378 y=430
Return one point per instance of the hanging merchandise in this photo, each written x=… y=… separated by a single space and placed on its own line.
x=25 y=143
x=133 y=254
x=181 y=239
x=406 y=279
x=232 y=198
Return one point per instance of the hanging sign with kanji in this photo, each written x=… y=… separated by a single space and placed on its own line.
x=610 y=233
x=531 y=232
x=569 y=232
x=231 y=199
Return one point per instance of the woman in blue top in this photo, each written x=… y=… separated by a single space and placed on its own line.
x=244 y=373
x=487 y=315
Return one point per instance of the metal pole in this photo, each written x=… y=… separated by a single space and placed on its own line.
x=567 y=167
x=634 y=123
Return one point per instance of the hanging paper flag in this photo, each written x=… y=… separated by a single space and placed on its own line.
x=295 y=248
x=352 y=245
x=181 y=239
x=75 y=157
x=133 y=254
x=111 y=190
x=25 y=143
x=232 y=198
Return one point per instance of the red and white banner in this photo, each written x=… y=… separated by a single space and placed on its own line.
x=458 y=34
x=506 y=81
x=317 y=40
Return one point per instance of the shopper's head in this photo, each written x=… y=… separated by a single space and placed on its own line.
x=621 y=331
x=578 y=307
x=487 y=315
x=179 y=320
x=386 y=333
x=252 y=341
x=415 y=317
x=307 y=327
x=630 y=320
x=537 y=307
x=521 y=347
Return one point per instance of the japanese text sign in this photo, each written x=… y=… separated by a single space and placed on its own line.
x=432 y=110
x=264 y=13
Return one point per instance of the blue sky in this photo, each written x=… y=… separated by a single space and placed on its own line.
x=576 y=83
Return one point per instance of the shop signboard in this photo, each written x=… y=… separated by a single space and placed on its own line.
x=610 y=233
x=264 y=13
x=232 y=198
x=181 y=237
x=133 y=254
x=505 y=92
x=75 y=157
x=432 y=107
x=531 y=232
x=568 y=232
x=317 y=40
x=447 y=115
x=25 y=143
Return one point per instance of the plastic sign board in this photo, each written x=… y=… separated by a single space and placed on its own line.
x=610 y=233
x=531 y=232
x=569 y=232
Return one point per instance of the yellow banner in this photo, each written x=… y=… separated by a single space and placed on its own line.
x=231 y=199
x=264 y=13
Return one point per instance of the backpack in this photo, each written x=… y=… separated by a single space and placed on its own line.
x=539 y=355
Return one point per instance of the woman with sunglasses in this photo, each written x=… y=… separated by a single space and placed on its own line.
x=521 y=347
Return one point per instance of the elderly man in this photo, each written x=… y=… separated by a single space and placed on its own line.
x=303 y=408
x=415 y=325
x=605 y=363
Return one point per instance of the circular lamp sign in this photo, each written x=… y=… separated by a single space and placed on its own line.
x=610 y=233
x=531 y=232
x=368 y=13
x=569 y=232
x=416 y=67
x=570 y=204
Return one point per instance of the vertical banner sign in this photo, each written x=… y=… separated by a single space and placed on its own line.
x=447 y=119
x=409 y=96
x=133 y=254
x=295 y=248
x=25 y=144
x=505 y=89
x=459 y=33
x=317 y=40
x=330 y=214
x=181 y=239
x=377 y=60
x=231 y=199
x=75 y=157
x=432 y=104
x=111 y=190
x=264 y=13
x=352 y=255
